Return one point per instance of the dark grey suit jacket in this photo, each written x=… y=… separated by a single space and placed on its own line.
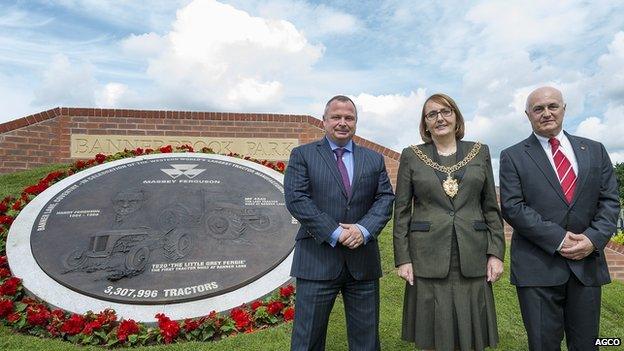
x=425 y=217
x=533 y=203
x=316 y=197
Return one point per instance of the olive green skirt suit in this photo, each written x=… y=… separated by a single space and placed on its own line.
x=448 y=241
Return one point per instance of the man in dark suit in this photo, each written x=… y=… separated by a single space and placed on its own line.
x=559 y=193
x=341 y=195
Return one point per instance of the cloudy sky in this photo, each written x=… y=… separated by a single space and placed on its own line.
x=290 y=56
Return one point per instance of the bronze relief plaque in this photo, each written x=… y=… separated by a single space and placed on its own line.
x=164 y=230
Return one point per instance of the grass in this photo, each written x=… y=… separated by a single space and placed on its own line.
x=14 y=183
x=510 y=328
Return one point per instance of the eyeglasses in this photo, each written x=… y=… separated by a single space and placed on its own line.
x=445 y=112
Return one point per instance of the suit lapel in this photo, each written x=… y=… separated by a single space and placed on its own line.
x=536 y=153
x=358 y=167
x=583 y=161
x=328 y=156
x=430 y=150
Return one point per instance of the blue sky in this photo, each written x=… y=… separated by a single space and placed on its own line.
x=288 y=56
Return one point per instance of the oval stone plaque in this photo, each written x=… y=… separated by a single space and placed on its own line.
x=159 y=230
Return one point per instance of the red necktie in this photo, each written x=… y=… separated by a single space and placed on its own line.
x=565 y=172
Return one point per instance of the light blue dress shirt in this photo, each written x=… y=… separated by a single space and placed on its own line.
x=347 y=158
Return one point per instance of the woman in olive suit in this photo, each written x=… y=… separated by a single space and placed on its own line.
x=448 y=235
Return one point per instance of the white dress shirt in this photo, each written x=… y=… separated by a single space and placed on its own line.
x=347 y=159
x=566 y=149
x=564 y=146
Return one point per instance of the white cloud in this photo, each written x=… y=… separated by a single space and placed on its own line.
x=254 y=92
x=21 y=19
x=148 y=44
x=391 y=120
x=607 y=130
x=110 y=95
x=154 y=14
x=522 y=24
x=330 y=22
x=218 y=56
x=66 y=84
x=616 y=157
x=315 y=20
x=16 y=97
x=611 y=76
x=504 y=50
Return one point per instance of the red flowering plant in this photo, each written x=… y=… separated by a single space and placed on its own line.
x=127 y=332
x=186 y=148
x=166 y=149
x=10 y=287
x=100 y=158
x=256 y=304
x=4 y=273
x=289 y=314
x=6 y=307
x=3 y=207
x=169 y=329
x=34 y=317
x=242 y=318
x=96 y=328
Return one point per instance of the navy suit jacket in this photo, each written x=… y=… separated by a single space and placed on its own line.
x=316 y=197
x=533 y=203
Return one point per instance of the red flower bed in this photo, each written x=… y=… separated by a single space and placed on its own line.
x=35 y=317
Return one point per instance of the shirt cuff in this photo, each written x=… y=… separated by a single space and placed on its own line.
x=560 y=245
x=333 y=239
x=367 y=235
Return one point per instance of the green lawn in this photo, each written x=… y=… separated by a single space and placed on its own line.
x=510 y=327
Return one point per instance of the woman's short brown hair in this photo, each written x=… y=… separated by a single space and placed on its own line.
x=444 y=100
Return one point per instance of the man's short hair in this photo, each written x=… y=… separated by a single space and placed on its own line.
x=341 y=98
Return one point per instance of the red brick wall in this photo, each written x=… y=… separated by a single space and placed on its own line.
x=44 y=138
x=32 y=142
x=615 y=259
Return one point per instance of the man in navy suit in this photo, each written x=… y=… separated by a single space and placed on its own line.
x=559 y=193
x=341 y=195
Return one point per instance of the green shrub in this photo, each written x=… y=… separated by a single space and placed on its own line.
x=619 y=237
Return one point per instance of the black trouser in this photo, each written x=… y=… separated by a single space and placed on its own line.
x=550 y=311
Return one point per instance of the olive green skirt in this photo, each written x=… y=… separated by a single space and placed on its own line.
x=452 y=313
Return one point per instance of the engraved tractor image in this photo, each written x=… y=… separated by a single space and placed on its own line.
x=220 y=220
x=126 y=252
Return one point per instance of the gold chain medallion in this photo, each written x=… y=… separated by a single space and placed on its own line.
x=450 y=184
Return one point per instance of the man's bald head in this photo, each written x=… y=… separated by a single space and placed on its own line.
x=545 y=109
x=549 y=91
